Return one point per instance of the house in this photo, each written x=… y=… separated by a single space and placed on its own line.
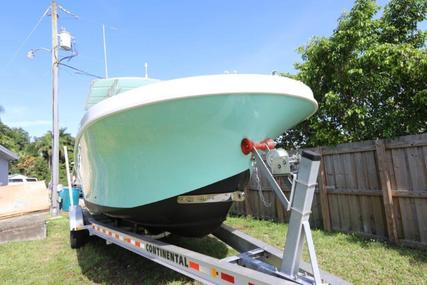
x=5 y=156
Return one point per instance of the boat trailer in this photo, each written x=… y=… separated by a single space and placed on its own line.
x=257 y=262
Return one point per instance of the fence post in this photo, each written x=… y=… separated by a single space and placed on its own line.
x=386 y=191
x=323 y=192
x=247 y=205
x=280 y=211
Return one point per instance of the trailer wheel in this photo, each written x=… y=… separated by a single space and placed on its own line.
x=78 y=238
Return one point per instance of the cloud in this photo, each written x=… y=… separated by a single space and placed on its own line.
x=23 y=124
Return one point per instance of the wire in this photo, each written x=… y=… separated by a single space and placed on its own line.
x=26 y=39
x=68 y=12
x=79 y=71
x=256 y=176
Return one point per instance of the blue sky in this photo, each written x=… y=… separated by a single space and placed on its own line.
x=176 y=38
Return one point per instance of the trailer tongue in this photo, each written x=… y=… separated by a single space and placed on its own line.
x=257 y=262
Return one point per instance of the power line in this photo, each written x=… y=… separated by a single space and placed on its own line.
x=26 y=39
x=68 y=12
x=79 y=71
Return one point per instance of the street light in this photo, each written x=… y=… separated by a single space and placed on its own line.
x=31 y=54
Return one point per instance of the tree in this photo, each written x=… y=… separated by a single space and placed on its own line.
x=34 y=166
x=35 y=157
x=15 y=139
x=369 y=76
x=44 y=147
x=6 y=139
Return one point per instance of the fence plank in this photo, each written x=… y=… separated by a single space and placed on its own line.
x=387 y=194
x=355 y=214
x=344 y=212
x=389 y=167
x=398 y=218
x=370 y=165
x=248 y=210
x=360 y=172
x=339 y=172
x=378 y=213
x=416 y=169
x=335 y=212
x=400 y=169
x=421 y=208
x=324 y=202
x=425 y=158
x=316 y=216
x=367 y=216
x=280 y=212
x=349 y=172
x=409 y=224
x=329 y=168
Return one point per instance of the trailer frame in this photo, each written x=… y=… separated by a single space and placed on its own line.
x=256 y=263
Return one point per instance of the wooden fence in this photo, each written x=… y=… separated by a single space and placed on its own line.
x=374 y=188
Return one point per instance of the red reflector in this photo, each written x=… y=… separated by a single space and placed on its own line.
x=194 y=265
x=110 y=233
x=127 y=240
x=137 y=244
x=227 y=277
x=250 y=283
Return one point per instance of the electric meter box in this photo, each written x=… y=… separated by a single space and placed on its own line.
x=65 y=40
x=278 y=160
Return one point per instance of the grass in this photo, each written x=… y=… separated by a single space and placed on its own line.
x=355 y=259
x=51 y=261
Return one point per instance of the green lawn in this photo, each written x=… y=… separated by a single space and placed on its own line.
x=51 y=261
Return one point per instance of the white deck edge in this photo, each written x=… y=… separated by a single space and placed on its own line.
x=198 y=86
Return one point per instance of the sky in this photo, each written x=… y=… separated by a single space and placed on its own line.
x=176 y=39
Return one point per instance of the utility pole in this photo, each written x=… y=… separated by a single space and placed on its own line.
x=55 y=120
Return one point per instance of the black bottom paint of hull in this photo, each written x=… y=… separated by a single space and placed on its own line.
x=191 y=220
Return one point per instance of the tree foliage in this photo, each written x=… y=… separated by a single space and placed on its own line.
x=35 y=155
x=369 y=77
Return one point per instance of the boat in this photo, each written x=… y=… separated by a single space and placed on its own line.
x=167 y=154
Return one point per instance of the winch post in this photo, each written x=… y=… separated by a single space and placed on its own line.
x=299 y=205
x=299 y=228
x=273 y=183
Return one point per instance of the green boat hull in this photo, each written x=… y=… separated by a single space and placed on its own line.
x=157 y=151
x=163 y=150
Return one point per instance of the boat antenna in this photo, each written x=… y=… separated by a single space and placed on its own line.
x=105 y=51
x=146 y=70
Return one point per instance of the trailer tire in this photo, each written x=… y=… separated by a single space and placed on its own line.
x=78 y=238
